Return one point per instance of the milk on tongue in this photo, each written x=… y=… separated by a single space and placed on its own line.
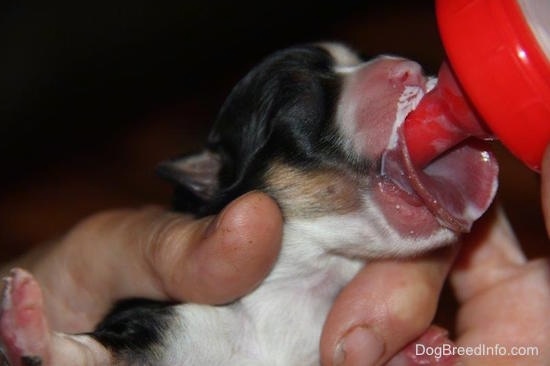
x=440 y=156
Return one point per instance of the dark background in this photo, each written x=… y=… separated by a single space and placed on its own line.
x=93 y=96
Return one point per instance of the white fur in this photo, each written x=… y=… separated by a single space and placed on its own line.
x=280 y=323
x=345 y=59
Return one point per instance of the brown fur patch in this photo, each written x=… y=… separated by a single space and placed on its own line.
x=312 y=193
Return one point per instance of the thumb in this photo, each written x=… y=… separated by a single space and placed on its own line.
x=217 y=259
x=158 y=254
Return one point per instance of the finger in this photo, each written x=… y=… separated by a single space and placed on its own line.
x=510 y=314
x=489 y=254
x=158 y=254
x=504 y=300
x=228 y=257
x=545 y=188
x=385 y=306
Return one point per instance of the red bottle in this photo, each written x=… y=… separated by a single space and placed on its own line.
x=498 y=82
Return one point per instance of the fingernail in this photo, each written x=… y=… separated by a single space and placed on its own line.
x=360 y=346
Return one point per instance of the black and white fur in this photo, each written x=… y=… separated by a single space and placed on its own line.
x=285 y=129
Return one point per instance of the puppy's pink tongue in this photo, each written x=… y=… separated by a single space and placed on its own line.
x=439 y=156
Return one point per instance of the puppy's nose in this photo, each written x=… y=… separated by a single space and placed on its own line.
x=406 y=72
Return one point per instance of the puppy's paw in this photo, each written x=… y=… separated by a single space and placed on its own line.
x=24 y=329
x=26 y=338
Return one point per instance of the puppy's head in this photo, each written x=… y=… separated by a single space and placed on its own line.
x=309 y=126
x=280 y=114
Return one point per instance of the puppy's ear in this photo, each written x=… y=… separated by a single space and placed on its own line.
x=197 y=173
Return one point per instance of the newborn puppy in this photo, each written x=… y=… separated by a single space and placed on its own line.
x=308 y=126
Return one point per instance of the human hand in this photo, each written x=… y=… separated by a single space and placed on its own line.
x=157 y=254
x=505 y=299
x=504 y=302
x=388 y=304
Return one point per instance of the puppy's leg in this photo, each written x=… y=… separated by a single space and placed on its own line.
x=25 y=334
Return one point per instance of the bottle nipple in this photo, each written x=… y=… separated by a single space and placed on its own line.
x=442 y=120
x=439 y=157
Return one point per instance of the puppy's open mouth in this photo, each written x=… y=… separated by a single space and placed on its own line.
x=457 y=186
